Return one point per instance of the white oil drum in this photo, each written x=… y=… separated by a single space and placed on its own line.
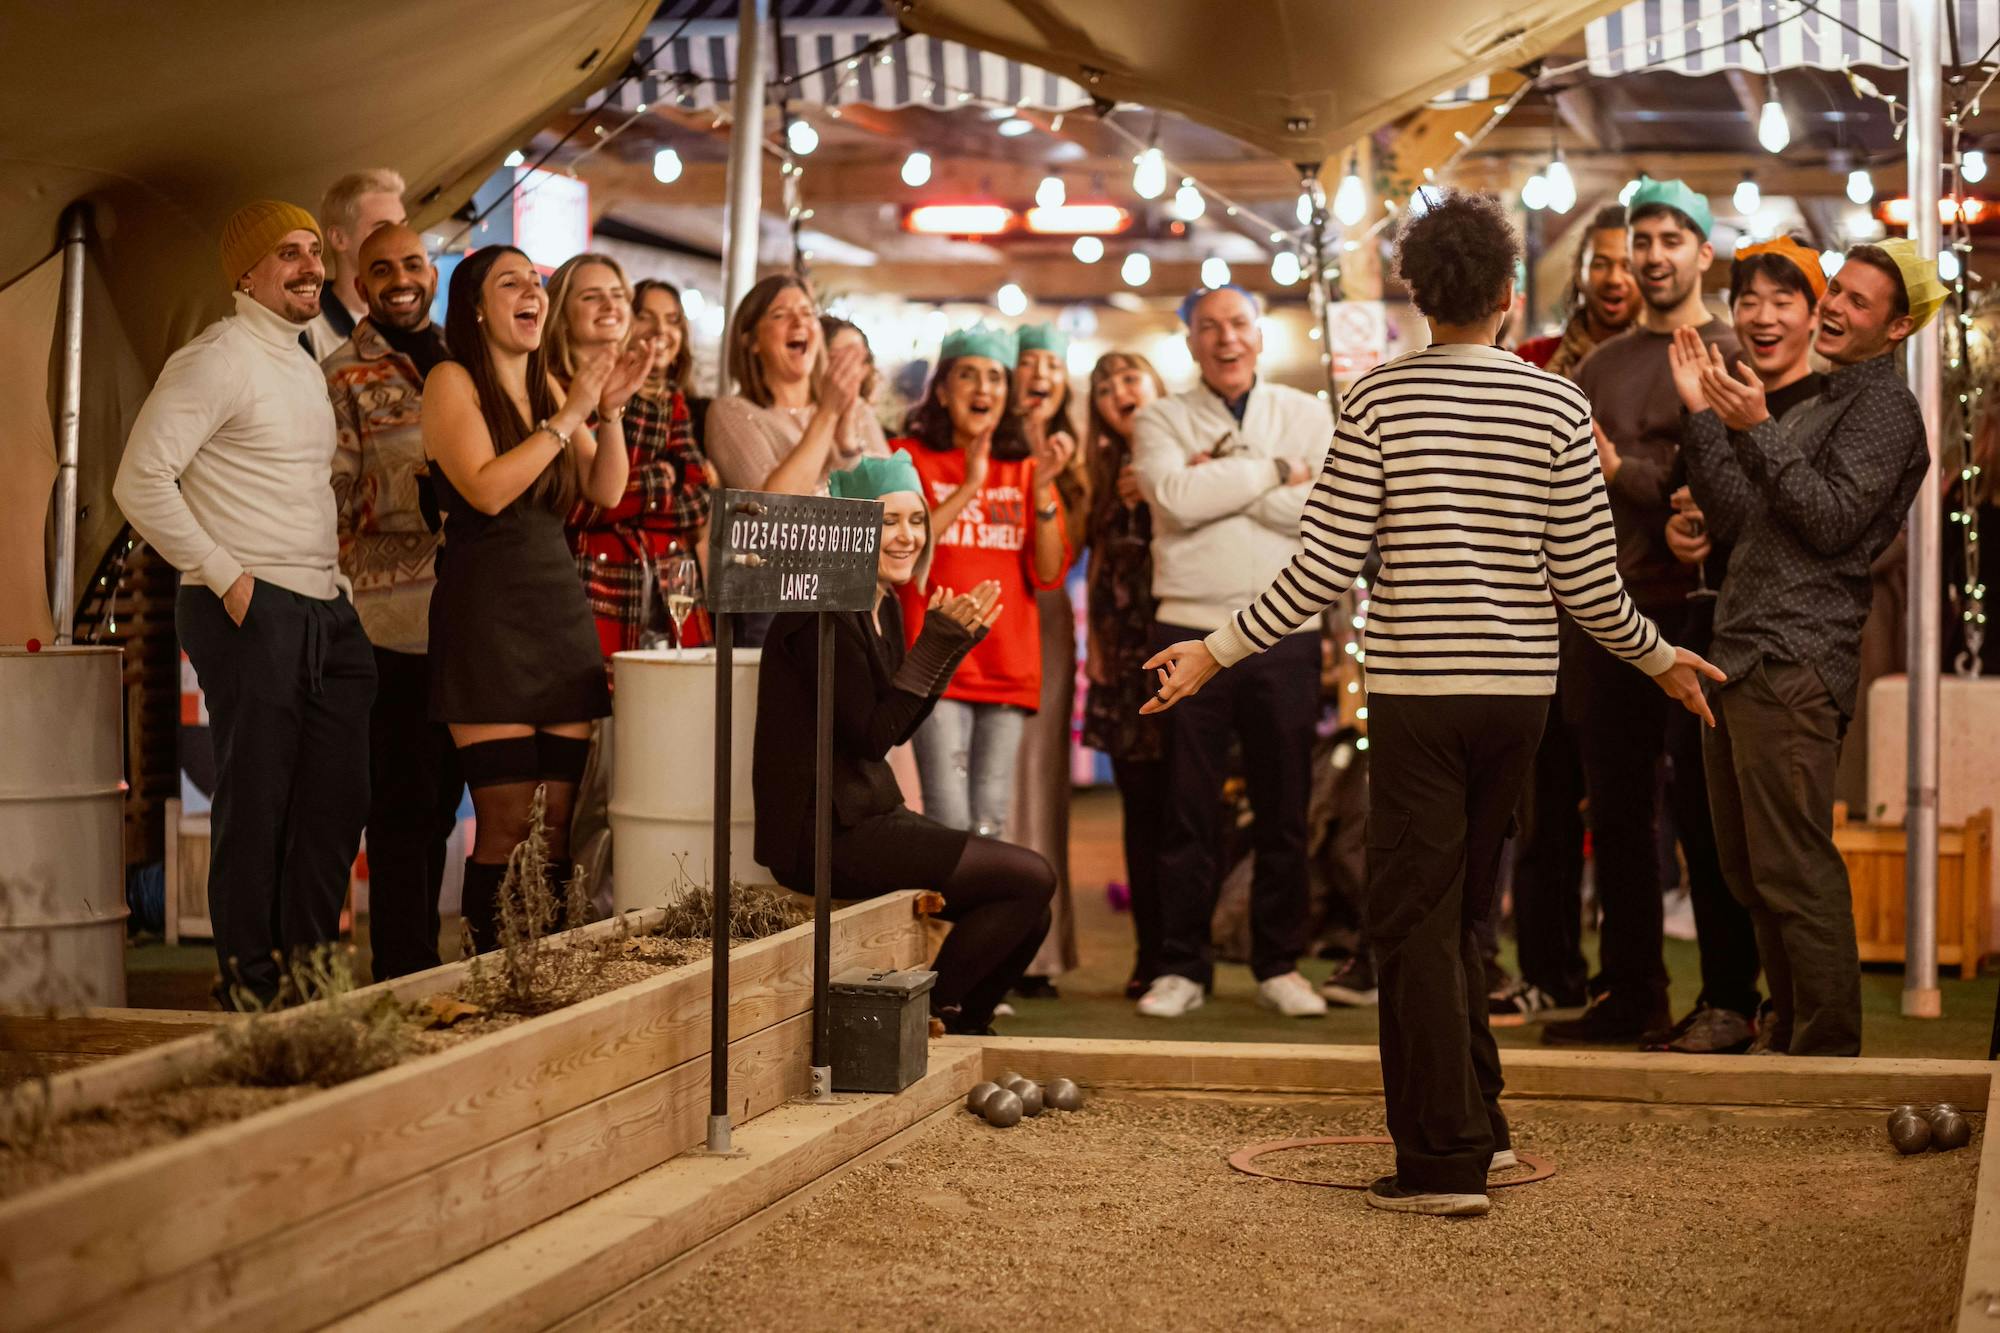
x=663 y=774
x=62 y=833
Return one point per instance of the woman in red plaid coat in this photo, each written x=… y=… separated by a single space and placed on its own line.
x=621 y=551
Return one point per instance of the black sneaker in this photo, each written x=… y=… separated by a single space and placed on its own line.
x=1036 y=988
x=1353 y=983
x=1522 y=1003
x=1609 y=1021
x=1707 y=1030
x=1768 y=1039
x=1386 y=1194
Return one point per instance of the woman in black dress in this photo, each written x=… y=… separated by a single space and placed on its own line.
x=515 y=666
x=996 y=894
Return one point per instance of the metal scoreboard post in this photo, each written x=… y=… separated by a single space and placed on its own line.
x=775 y=553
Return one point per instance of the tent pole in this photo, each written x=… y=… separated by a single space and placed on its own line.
x=746 y=167
x=1921 y=996
x=69 y=423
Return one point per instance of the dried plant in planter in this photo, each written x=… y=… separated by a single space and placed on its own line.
x=527 y=974
x=329 y=1039
x=753 y=913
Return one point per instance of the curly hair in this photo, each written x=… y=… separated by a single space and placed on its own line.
x=1457 y=256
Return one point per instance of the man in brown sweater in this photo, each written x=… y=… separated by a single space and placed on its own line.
x=1625 y=730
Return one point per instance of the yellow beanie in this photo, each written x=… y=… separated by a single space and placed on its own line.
x=255 y=229
x=1921 y=283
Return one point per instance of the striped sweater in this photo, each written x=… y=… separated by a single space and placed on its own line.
x=1477 y=476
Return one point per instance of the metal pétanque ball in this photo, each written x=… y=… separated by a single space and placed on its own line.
x=1950 y=1131
x=1939 y=1112
x=1030 y=1093
x=1063 y=1095
x=1003 y=1108
x=1006 y=1080
x=1910 y=1134
x=1901 y=1111
x=975 y=1100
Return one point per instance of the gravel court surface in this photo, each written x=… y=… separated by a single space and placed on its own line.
x=1126 y=1216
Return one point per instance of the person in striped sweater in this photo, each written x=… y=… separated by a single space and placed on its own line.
x=1476 y=475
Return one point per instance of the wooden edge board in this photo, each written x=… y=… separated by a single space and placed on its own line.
x=336 y=1262
x=100 y=1032
x=1979 y=1295
x=602 y=1247
x=1594 y=1075
x=82 y=1240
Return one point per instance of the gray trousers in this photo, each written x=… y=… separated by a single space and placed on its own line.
x=1772 y=761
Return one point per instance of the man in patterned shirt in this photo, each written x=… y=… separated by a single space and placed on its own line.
x=1813 y=502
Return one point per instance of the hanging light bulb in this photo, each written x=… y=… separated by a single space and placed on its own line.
x=1948 y=265
x=1214 y=272
x=1012 y=300
x=1050 y=193
x=1860 y=186
x=1535 y=194
x=1188 y=201
x=1562 y=186
x=1284 y=268
x=916 y=169
x=1972 y=166
x=666 y=166
x=1304 y=211
x=1350 y=201
x=1137 y=270
x=1625 y=195
x=1088 y=249
x=1748 y=198
x=1830 y=262
x=1149 y=174
x=1773 y=130
x=802 y=137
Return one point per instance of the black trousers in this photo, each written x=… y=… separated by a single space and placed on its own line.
x=1270 y=703
x=1773 y=757
x=288 y=696
x=1142 y=795
x=1548 y=868
x=415 y=785
x=1629 y=727
x=1445 y=775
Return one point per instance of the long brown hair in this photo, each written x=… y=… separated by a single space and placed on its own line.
x=1105 y=461
x=558 y=338
x=745 y=369
x=680 y=368
x=560 y=483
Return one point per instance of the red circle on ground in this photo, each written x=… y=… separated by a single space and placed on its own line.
x=1244 y=1160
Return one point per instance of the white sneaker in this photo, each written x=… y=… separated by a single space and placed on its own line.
x=1291 y=995
x=1504 y=1160
x=1169 y=997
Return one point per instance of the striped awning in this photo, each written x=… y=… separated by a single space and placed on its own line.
x=1706 y=36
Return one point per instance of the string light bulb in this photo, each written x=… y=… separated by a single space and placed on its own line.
x=1947 y=264
x=667 y=166
x=1088 y=249
x=1748 y=198
x=1562 y=186
x=1050 y=193
x=1972 y=167
x=1149 y=174
x=1625 y=195
x=801 y=137
x=1350 y=201
x=1773 y=130
x=1284 y=268
x=1189 y=202
x=1214 y=272
x=1860 y=186
x=1137 y=270
x=1535 y=193
x=1013 y=302
x=917 y=169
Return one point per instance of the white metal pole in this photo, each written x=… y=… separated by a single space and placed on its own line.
x=743 y=212
x=69 y=425
x=1921 y=997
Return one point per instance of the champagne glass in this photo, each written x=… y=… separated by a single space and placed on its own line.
x=680 y=583
x=1702 y=592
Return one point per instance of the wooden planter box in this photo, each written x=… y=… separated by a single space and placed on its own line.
x=1875 y=867
x=296 y=1216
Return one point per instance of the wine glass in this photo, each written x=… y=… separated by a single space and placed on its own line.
x=680 y=583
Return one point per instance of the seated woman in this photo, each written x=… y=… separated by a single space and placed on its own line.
x=996 y=895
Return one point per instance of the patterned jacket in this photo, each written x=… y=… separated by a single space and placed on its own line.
x=387 y=548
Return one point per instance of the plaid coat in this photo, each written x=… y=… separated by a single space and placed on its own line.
x=664 y=513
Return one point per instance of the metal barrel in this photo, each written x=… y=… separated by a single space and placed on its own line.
x=62 y=843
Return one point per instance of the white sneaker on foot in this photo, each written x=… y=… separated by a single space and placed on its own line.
x=1291 y=995
x=1170 y=996
x=1504 y=1160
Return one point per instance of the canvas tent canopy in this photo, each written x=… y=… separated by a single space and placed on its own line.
x=165 y=118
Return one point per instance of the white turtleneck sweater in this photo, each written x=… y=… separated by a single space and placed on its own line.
x=229 y=468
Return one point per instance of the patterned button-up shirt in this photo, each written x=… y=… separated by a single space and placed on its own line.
x=1809 y=503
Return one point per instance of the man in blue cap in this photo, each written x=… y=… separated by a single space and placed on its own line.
x=1625 y=728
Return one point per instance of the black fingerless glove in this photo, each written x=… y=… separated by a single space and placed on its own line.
x=940 y=647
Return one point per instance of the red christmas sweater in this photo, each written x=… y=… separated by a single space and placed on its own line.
x=993 y=538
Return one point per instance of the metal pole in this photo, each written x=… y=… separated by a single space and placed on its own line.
x=742 y=213
x=718 y=998
x=1921 y=996
x=69 y=423
x=822 y=1060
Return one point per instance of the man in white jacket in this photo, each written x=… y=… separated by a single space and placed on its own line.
x=229 y=474
x=1227 y=467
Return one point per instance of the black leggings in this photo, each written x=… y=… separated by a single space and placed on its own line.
x=997 y=900
x=503 y=776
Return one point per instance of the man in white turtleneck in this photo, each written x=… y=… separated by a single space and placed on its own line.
x=228 y=474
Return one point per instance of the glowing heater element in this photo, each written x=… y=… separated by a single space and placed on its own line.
x=1079 y=220
x=1897 y=212
x=958 y=219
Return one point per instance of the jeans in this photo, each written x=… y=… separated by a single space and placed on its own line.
x=965 y=760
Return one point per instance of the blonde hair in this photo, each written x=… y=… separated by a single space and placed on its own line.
x=559 y=342
x=341 y=205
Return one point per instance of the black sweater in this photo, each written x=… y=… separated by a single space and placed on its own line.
x=878 y=704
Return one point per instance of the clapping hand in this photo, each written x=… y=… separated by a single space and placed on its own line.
x=1687 y=355
x=971 y=611
x=626 y=374
x=1052 y=452
x=587 y=387
x=1738 y=399
x=846 y=370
